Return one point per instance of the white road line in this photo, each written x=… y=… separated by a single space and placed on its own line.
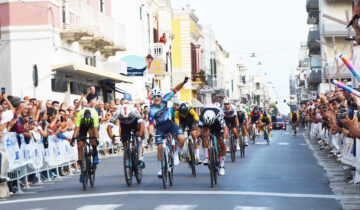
x=163 y=192
x=37 y=209
x=283 y=143
x=102 y=207
x=260 y=143
x=252 y=208
x=176 y=207
x=302 y=144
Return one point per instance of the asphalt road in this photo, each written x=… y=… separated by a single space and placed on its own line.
x=282 y=175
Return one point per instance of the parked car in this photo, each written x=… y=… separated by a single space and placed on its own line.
x=279 y=123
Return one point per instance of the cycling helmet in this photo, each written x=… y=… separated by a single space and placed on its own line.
x=227 y=100
x=265 y=113
x=217 y=104
x=183 y=109
x=125 y=110
x=209 y=117
x=256 y=108
x=87 y=120
x=155 y=92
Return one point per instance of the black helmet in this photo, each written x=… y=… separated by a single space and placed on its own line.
x=183 y=109
x=265 y=113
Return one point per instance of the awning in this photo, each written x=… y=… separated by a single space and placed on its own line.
x=196 y=103
x=90 y=71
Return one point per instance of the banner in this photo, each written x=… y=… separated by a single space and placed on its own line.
x=348 y=152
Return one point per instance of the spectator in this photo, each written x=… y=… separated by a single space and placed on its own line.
x=55 y=105
x=122 y=101
x=163 y=39
x=117 y=102
x=92 y=95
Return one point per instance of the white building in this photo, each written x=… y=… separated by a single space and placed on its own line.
x=65 y=42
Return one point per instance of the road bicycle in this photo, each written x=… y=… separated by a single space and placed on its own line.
x=214 y=159
x=232 y=146
x=167 y=159
x=88 y=168
x=190 y=153
x=132 y=164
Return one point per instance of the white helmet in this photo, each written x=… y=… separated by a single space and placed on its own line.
x=217 y=104
x=155 y=92
x=125 y=110
x=227 y=100
x=209 y=117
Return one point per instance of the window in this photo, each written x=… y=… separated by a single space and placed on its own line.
x=90 y=60
x=102 y=7
x=140 y=12
x=58 y=85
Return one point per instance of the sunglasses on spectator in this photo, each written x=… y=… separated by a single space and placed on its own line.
x=226 y=104
x=156 y=96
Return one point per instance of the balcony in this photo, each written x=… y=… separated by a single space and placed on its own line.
x=312 y=6
x=315 y=63
x=314 y=34
x=315 y=78
x=346 y=74
x=313 y=19
x=159 y=50
x=331 y=28
x=93 y=30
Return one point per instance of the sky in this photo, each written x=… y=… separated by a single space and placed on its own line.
x=271 y=29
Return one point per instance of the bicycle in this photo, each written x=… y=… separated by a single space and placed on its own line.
x=88 y=168
x=132 y=165
x=232 y=146
x=266 y=136
x=294 y=126
x=242 y=144
x=190 y=156
x=214 y=159
x=167 y=159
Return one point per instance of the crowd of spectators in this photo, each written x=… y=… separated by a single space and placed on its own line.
x=35 y=118
x=336 y=115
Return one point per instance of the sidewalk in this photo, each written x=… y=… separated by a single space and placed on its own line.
x=336 y=174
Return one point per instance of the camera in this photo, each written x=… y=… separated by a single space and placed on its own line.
x=342 y=115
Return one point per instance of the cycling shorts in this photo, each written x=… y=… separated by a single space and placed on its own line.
x=230 y=122
x=126 y=130
x=215 y=128
x=166 y=127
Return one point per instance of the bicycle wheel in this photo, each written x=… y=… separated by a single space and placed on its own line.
x=191 y=157
x=217 y=159
x=127 y=166
x=171 y=167
x=92 y=171
x=211 y=166
x=242 y=148
x=137 y=167
x=164 y=167
x=85 y=168
x=232 y=149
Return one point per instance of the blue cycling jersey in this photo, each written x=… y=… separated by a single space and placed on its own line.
x=162 y=113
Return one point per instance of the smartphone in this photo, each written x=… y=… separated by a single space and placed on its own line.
x=340 y=116
x=2 y=90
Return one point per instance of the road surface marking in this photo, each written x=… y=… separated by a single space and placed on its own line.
x=176 y=207
x=252 y=208
x=260 y=143
x=302 y=144
x=283 y=143
x=164 y=192
x=102 y=207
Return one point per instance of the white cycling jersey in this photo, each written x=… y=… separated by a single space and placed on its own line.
x=133 y=115
x=231 y=112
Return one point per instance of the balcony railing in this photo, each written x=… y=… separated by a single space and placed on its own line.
x=312 y=6
x=331 y=28
x=314 y=34
x=159 y=50
x=85 y=21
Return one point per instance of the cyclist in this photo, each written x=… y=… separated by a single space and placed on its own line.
x=231 y=119
x=255 y=117
x=174 y=108
x=186 y=116
x=243 y=122
x=213 y=122
x=160 y=113
x=130 y=120
x=265 y=120
x=294 y=120
x=87 y=121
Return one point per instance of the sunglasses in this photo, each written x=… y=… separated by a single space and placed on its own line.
x=226 y=104
x=156 y=96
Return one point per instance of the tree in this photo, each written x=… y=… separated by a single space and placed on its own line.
x=274 y=109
